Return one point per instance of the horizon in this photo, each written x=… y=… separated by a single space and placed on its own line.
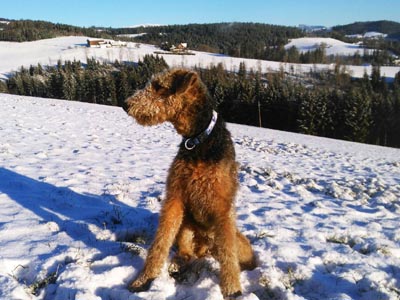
x=127 y=13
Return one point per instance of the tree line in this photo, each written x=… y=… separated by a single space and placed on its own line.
x=93 y=82
x=28 y=30
x=386 y=46
x=388 y=27
x=329 y=104
x=319 y=56
x=249 y=40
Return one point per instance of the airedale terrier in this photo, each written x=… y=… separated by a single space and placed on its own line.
x=198 y=213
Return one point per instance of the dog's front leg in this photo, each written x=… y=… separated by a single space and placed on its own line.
x=170 y=221
x=225 y=251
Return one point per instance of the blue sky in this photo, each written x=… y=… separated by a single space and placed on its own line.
x=119 y=13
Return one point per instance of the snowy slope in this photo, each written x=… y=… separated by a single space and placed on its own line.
x=80 y=191
x=47 y=52
x=332 y=46
x=368 y=35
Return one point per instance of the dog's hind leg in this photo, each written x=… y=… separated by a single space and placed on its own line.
x=246 y=257
x=170 y=221
x=185 y=241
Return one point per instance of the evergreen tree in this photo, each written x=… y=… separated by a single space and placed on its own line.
x=90 y=94
x=366 y=83
x=80 y=86
x=293 y=55
x=394 y=121
x=376 y=80
x=111 y=91
x=382 y=111
x=122 y=85
x=101 y=92
x=306 y=114
x=357 y=113
x=56 y=85
x=242 y=72
x=3 y=87
x=16 y=85
x=39 y=87
x=68 y=86
x=314 y=114
x=396 y=82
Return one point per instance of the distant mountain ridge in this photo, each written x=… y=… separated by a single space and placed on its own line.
x=144 y=25
x=312 y=28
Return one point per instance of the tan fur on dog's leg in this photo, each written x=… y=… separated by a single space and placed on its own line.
x=170 y=222
x=245 y=253
x=227 y=255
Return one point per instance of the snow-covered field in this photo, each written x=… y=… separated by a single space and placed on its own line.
x=80 y=192
x=368 y=35
x=332 y=46
x=47 y=52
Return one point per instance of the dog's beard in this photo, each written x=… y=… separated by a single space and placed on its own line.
x=146 y=109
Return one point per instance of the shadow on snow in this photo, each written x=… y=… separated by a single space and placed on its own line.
x=75 y=213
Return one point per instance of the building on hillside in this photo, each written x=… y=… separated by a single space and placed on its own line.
x=95 y=43
x=98 y=43
x=118 y=44
x=182 y=47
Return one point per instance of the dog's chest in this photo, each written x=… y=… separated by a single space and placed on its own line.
x=197 y=179
x=205 y=188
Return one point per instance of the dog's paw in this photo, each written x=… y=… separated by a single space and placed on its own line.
x=139 y=285
x=233 y=296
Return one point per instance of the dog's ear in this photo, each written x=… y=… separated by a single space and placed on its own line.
x=185 y=81
x=177 y=82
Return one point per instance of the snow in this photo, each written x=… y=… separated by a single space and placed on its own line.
x=374 y=35
x=332 y=46
x=144 y=25
x=80 y=191
x=368 y=35
x=47 y=52
x=132 y=35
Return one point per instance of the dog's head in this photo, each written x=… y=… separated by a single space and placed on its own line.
x=175 y=96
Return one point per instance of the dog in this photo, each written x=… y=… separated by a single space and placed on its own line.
x=198 y=212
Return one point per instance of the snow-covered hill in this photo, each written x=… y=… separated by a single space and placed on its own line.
x=47 y=52
x=80 y=191
x=368 y=35
x=332 y=46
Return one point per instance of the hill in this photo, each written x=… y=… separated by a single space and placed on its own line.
x=387 y=27
x=250 y=40
x=30 y=30
x=49 y=51
x=331 y=46
x=246 y=40
x=257 y=92
x=3 y=23
x=80 y=192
